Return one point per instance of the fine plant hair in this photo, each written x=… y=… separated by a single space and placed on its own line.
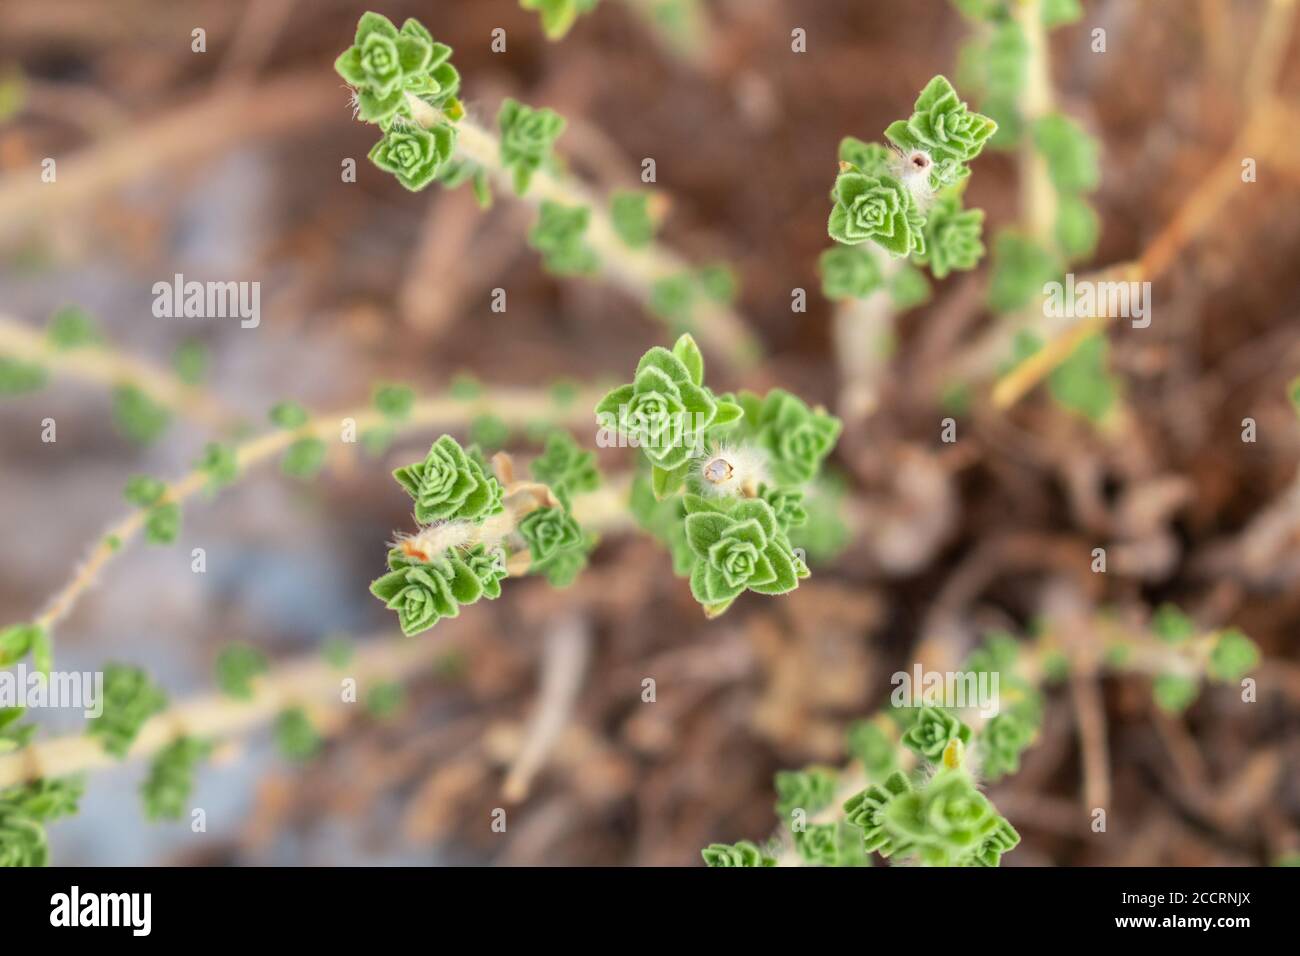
x=732 y=484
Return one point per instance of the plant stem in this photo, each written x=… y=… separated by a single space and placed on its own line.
x=516 y=407
x=634 y=270
x=1036 y=100
x=105 y=366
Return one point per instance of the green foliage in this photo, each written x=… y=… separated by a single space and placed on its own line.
x=873 y=748
x=881 y=209
x=170 y=781
x=384 y=64
x=143 y=490
x=810 y=790
x=1078 y=228
x=942 y=126
x=1001 y=742
x=738 y=546
x=797 y=439
x=1174 y=693
x=558 y=236
x=527 y=138
x=630 y=214
x=44 y=799
x=422 y=592
x=17 y=641
x=743 y=853
x=566 y=467
x=415 y=156
x=190 y=361
x=1171 y=625
x=1233 y=656
x=304 y=458
x=22 y=839
x=946 y=822
x=1082 y=383
x=337 y=650
x=489 y=431
x=394 y=402
x=129 y=699
x=237 y=665
x=830 y=844
x=162 y=523
x=932 y=731
x=1070 y=152
x=18 y=377
x=908 y=288
x=556 y=544
x=1021 y=268
x=295 y=735
x=558 y=16
x=385 y=700
x=72 y=328
x=220 y=463
x=665 y=520
x=674 y=298
x=137 y=416
x=449 y=484
x=952 y=237
x=288 y=415
x=849 y=272
x=14 y=735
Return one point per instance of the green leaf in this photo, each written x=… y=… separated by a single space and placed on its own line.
x=385 y=700
x=565 y=467
x=129 y=699
x=558 y=236
x=849 y=272
x=740 y=854
x=810 y=790
x=689 y=354
x=666 y=482
x=909 y=288
x=1174 y=693
x=489 y=431
x=1078 y=228
x=16 y=642
x=304 y=458
x=237 y=665
x=449 y=484
x=415 y=156
x=1071 y=154
x=288 y=415
x=295 y=735
x=527 y=139
x=136 y=416
x=162 y=523
x=1233 y=657
x=72 y=328
x=220 y=463
x=952 y=237
x=1020 y=270
x=394 y=402
x=190 y=361
x=1082 y=382
x=1171 y=625
x=167 y=788
x=630 y=214
x=18 y=377
x=932 y=731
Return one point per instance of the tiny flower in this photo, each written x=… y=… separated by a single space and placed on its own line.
x=932 y=730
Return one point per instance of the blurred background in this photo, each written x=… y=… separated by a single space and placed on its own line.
x=226 y=164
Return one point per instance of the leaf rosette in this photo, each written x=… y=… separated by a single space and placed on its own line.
x=450 y=484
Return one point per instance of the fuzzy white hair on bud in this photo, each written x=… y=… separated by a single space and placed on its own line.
x=914 y=168
x=730 y=470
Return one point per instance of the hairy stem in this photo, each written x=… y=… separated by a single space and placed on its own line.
x=105 y=366
x=634 y=270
